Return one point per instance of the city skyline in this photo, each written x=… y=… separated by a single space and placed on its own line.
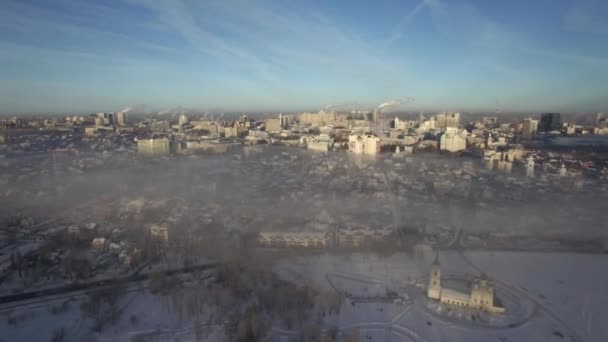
x=326 y=225
x=74 y=56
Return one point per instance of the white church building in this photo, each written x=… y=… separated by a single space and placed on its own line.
x=481 y=294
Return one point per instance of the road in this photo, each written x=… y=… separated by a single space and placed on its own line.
x=100 y=283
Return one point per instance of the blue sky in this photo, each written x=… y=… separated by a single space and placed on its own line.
x=85 y=56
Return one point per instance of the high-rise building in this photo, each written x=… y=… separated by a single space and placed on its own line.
x=104 y=119
x=285 y=120
x=550 y=122
x=121 y=118
x=235 y=131
x=602 y=120
x=447 y=120
x=99 y=121
x=453 y=140
x=109 y=119
x=274 y=125
x=529 y=128
x=367 y=144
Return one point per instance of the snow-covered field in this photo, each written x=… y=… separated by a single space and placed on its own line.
x=570 y=292
x=141 y=313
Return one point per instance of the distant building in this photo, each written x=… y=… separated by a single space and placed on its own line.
x=73 y=230
x=530 y=167
x=121 y=118
x=154 y=146
x=323 y=142
x=602 y=120
x=404 y=125
x=453 y=140
x=274 y=125
x=447 y=120
x=563 y=171
x=160 y=126
x=426 y=126
x=104 y=119
x=235 y=131
x=114 y=248
x=364 y=144
x=341 y=237
x=90 y=130
x=550 y=122
x=359 y=237
x=285 y=120
x=206 y=125
x=295 y=239
x=490 y=121
x=529 y=128
x=159 y=232
x=12 y=123
x=99 y=121
x=322 y=118
x=98 y=244
x=481 y=296
x=571 y=129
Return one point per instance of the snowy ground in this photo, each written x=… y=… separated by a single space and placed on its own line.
x=569 y=291
x=141 y=313
x=157 y=319
x=36 y=322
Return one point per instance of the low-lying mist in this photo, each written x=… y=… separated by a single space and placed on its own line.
x=289 y=189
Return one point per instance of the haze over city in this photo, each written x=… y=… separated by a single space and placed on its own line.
x=303 y=171
x=75 y=56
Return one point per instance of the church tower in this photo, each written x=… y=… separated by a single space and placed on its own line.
x=434 y=289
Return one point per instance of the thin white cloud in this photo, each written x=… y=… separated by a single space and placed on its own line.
x=464 y=22
x=271 y=41
x=398 y=31
x=182 y=17
x=274 y=52
x=76 y=34
x=264 y=43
